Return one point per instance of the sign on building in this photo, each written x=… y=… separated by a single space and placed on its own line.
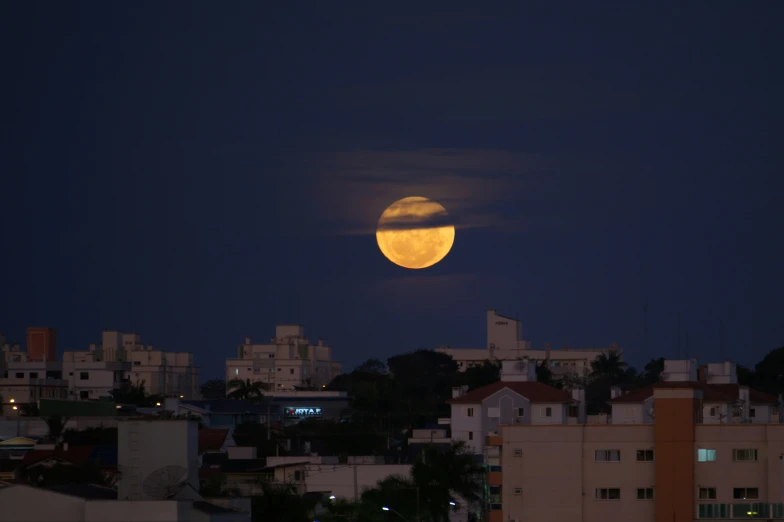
x=292 y=412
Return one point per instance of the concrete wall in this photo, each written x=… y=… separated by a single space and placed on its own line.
x=557 y=474
x=339 y=479
x=463 y=425
x=146 y=446
x=27 y=504
x=136 y=511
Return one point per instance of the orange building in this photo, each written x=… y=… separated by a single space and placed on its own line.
x=41 y=344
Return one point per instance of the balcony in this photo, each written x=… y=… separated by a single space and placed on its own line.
x=741 y=511
x=494 y=478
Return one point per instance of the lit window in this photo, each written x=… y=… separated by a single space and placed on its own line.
x=744 y=455
x=610 y=455
x=745 y=493
x=707 y=494
x=644 y=493
x=644 y=455
x=706 y=455
x=236 y=371
x=608 y=493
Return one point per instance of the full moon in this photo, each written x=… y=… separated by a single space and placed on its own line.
x=414 y=233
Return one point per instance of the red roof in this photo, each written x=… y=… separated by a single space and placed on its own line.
x=212 y=439
x=74 y=455
x=531 y=390
x=710 y=392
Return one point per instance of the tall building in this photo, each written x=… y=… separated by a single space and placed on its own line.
x=41 y=344
x=695 y=446
x=287 y=362
x=505 y=342
x=164 y=373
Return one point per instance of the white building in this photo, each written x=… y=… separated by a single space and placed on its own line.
x=172 y=374
x=27 y=381
x=724 y=401
x=516 y=399
x=505 y=342
x=287 y=362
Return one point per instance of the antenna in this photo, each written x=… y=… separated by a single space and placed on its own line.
x=164 y=483
x=678 y=333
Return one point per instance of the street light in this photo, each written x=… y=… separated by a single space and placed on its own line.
x=452 y=503
x=332 y=497
x=387 y=508
x=12 y=400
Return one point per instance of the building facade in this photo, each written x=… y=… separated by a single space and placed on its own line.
x=657 y=459
x=172 y=374
x=287 y=363
x=505 y=342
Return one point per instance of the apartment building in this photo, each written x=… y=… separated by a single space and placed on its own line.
x=172 y=374
x=517 y=399
x=505 y=342
x=659 y=458
x=287 y=362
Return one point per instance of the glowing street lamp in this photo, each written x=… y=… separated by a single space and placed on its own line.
x=12 y=400
x=387 y=508
x=332 y=497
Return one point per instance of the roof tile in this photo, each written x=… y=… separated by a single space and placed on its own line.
x=531 y=390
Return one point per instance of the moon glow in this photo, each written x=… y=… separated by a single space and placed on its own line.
x=414 y=233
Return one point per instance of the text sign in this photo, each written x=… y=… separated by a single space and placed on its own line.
x=304 y=412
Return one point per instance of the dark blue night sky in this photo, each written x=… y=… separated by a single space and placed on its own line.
x=198 y=171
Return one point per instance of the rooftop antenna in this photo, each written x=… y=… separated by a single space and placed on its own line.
x=645 y=328
x=678 y=333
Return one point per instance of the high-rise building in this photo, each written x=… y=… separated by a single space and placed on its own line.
x=41 y=344
x=287 y=362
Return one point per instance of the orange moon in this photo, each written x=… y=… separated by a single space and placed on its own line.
x=406 y=238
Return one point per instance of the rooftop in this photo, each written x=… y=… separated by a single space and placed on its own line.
x=531 y=390
x=710 y=392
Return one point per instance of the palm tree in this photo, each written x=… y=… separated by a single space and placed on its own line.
x=252 y=391
x=608 y=365
x=56 y=425
x=443 y=475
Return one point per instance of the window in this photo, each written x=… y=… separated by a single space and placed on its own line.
x=518 y=453
x=138 y=363
x=297 y=475
x=644 y=455
x=84 y=394
x=469 y=412
x=608 y=493
x=548 y=412
x=611 y=455
x=33 y=375
x=573 y=411
x=707 y=494
x=713 y=412
x=470 y=435
x=291 y=371
x=278 y=369
x=744 y=455
x=271 y=356
x=745 y=493
x=521 y=412
x=752 y=412
x=706 y=455
x=83 y=376
x=236 y=371
x=518 y=491
x=20 y=375
x=644 y=493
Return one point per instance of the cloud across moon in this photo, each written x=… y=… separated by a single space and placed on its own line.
x=415 y=233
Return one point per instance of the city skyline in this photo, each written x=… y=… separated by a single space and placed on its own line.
x=201 y=175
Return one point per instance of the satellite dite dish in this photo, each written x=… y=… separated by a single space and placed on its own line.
x=165 y=482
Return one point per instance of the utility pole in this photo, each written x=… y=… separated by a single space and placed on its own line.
x=356 y=486
x=417 y=513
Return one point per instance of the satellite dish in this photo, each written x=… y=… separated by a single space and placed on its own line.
x=165 y=482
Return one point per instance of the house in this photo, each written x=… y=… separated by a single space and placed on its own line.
x=517 y=399
x=724 y=401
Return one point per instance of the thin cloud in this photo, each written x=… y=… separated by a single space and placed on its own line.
x=471 y=184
